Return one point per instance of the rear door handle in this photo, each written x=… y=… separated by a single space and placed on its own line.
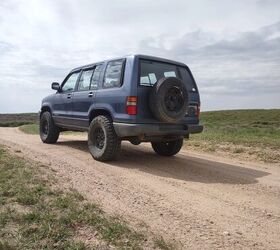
x=69 y=96
x=90 y=94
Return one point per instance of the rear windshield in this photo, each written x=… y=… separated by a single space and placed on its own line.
x=151 y=71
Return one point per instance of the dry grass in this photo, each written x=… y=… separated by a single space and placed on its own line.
x=34 y=214
x=254 y=133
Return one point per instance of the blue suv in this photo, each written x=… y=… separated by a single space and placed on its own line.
x=137 y=98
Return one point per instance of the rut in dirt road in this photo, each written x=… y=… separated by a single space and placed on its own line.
x=197 y=202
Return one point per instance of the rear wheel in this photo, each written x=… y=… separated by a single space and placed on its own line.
x=168 y=148
x=104 y=144
x=49 y=132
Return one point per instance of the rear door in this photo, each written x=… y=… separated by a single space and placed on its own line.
x=113 y=93
x=85 y=94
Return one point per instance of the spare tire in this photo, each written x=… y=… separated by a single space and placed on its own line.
x=169 y=100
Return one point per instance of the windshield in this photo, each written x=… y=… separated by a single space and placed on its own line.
x=151 y=71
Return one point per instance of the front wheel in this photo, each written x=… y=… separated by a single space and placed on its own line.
x=168 y=148
x=103 y=143
x=49 y=132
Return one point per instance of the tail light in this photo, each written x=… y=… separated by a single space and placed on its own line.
x=131 y=105
x=194 y=110
x=197 y=113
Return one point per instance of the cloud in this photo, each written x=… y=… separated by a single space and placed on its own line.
x=246 y=65
x=268 y=3
x=232 y=50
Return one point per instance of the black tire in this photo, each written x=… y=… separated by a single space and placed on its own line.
x=49 y=132
x=103 y=142
x=169 y=100
x=167 y=148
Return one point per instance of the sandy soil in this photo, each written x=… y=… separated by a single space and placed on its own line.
x=199 y=201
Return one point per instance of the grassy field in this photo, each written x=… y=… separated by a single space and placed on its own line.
x=36 y=214
x=256 y=132
x=249 y=127
x=15 y=120
x=30 y=129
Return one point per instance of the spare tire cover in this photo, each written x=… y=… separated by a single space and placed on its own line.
x=169 y=99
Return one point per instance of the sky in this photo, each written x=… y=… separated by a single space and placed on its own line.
x=231 y=47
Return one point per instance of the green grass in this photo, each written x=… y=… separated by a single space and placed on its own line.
x=30 y=129
x=253 y=132
x=247 y=127
x=35 y=214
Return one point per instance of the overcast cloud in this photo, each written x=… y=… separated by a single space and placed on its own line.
x=232 y=47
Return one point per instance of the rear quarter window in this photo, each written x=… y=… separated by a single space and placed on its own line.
x=113 y=74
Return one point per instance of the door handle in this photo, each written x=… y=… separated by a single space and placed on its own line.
x=90 y=94
x=69 y=96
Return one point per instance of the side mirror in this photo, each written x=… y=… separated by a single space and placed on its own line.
x=56 y=86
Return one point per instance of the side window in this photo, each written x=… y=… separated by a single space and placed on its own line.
x=84 y=81
x=113 y=74
x=95 y=77
x=70 y=83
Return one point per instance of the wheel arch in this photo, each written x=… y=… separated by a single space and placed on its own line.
x=96 y=112
x=45 y=108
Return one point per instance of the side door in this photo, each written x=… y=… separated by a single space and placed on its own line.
x=62 y=108
x=85 y=94
x=113 y=94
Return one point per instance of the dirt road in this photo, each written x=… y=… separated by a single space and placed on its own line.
x=200 y=202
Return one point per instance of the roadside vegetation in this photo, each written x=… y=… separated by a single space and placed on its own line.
x=30 y=129
x=15 y=120
x=14 y=124
x=36 y=214
x=251 y=132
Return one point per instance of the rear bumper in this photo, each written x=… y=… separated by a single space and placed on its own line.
x=130 y=129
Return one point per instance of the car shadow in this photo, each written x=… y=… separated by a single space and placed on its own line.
x=180 y=167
